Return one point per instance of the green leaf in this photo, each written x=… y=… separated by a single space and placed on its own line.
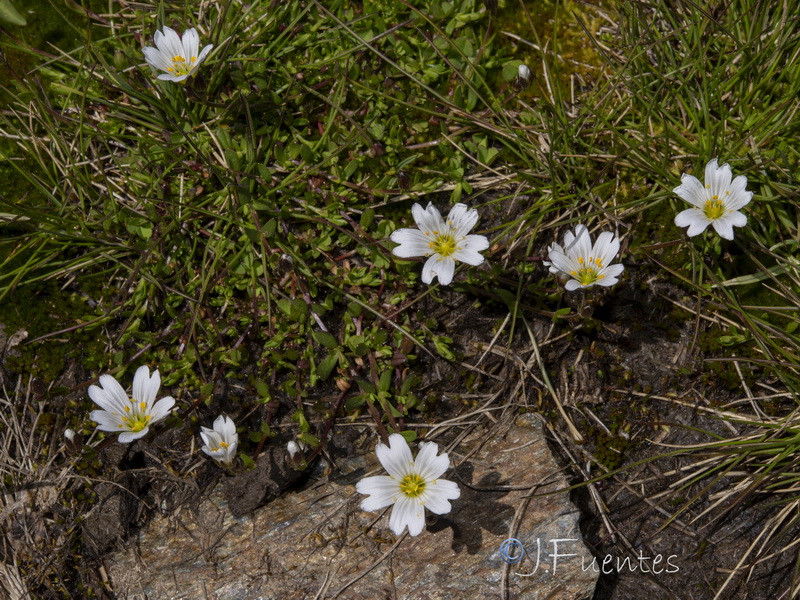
x=326 y=339
x=309 y=439
x=409 y=435
x=9 y=14
x=367 y=217
x=327 y=365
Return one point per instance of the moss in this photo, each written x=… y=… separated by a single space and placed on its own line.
x=610 y=450
x=553 y=20
x=41 y=310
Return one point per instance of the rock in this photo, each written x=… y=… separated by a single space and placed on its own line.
x=249 y=490
x=317 y=543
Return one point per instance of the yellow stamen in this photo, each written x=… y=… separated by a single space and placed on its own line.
x=412 y=485
x=714 y=209
x=180 y=66
x=587 y=275
x=444 y=245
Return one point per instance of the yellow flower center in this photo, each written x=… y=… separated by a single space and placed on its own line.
x=714 y=208
x=412 y=485
x=587 y=275
x=138 y=420
x=444 y=244
x=224 y=445
x=180 y=66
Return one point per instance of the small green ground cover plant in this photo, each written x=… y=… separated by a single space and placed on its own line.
x=237 y=224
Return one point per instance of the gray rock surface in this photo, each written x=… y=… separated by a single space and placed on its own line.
x=316 y=543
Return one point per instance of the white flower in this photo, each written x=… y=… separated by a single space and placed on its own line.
x=716 y=203
x=444 y=242
x=523 y=72
x=178 y=57
x=221 y=442
x=587 y=265
x=411 y=485
x=130 y=416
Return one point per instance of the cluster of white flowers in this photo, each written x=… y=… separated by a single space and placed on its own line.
x=132 y=417
x=411 y=485
x=582 y=263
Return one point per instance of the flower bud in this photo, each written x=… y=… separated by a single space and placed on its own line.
x=73 y=441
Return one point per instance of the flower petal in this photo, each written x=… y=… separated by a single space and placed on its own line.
x=724 y=226
x=562 y=262
x=611 y=271
x=468 y=256
x=721 y=181
x=438 y=493
x=407 y=512
x=582 y=245
x=173 y=43
x=106 y=421
x=462 y=220
x=156 y=59
x=141 y=384
x=161 y=409
x=203 y=53
x=217 y=454
x=428 y=220
x=428 y=465
x=438 y=266
x=692 y=190
x=396 y=457
x=169 y=77
x=226 y=427
x=127 y=437
x=694 y=219
x=711 y=172
x=606 y=281
x=469 y=250
x=115 y=397
x=738 y=200
x=606 y=247
x=412 y=243
x=210 y=438
x=190 y=43
x=572 y=285
x=382 y=491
